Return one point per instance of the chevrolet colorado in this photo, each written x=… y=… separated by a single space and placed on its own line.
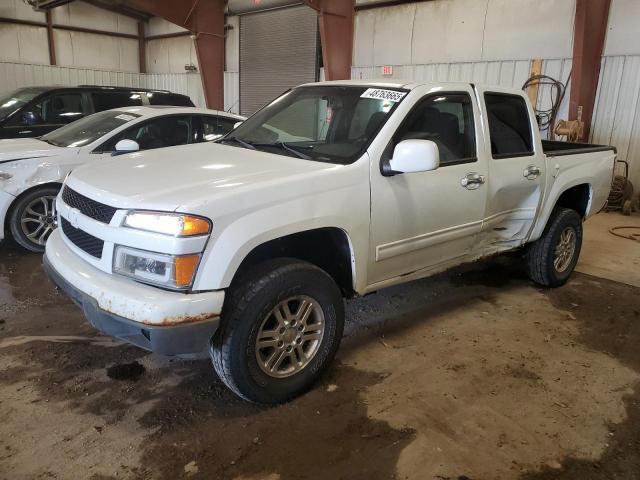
x=247 y=247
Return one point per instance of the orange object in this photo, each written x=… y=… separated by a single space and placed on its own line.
x=194 y=226
x=185 y=267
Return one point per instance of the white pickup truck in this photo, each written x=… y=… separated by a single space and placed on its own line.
x=246 y=248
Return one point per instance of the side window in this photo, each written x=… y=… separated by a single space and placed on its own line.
x=107 y=100
x=509 y=127
x=447 y=120
x=156 y=98
x=157 y=133
x=55 y=109
x=215 y=127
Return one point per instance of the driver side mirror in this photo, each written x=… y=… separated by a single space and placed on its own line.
x=125 y=146
x=411 y=156
x=31 y=118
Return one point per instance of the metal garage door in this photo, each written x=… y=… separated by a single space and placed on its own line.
x=278 y=50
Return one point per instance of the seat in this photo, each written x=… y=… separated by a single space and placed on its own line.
x=374 y=123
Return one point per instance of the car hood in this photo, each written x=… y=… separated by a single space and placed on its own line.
x=184 y=177
x=24 y=148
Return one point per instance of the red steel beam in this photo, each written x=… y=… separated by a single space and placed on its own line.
x=205 y=19
x=336 y=34
x=588 y=44
x=50 y=39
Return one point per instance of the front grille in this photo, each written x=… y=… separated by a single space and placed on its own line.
x=82 y=240
x=96 y=210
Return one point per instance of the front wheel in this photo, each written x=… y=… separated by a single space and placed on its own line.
x=552 y=258
x=33 y=218
x=280 y=330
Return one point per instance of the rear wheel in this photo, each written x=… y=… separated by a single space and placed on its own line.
x=281 y=328
x=552 y=258
x=33 y=218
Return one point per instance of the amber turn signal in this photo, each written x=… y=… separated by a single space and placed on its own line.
x=185 y=269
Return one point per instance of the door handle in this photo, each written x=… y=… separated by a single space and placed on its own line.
x=472 y=181
x=531 y=172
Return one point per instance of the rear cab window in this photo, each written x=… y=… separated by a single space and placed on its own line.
x=509 y=125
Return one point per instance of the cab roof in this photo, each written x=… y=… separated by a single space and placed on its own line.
x=409 y=84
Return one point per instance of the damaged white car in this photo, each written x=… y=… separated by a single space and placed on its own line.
x=32 y=169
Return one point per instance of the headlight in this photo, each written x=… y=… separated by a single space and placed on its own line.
x=171 y=271
x=175 y=224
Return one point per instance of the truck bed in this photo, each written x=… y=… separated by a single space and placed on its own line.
x=554 y=148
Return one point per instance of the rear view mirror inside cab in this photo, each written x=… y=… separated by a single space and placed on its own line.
x=411 y=156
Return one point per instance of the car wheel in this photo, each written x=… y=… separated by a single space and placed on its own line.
x=553 y=257
x=281 y=327
x=33 y=218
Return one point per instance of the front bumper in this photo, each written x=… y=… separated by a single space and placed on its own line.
x=6 y=200
x=116 y=305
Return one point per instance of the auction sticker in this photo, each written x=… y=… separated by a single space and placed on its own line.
x=381 y=94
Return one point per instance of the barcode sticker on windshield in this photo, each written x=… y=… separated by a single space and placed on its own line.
x=125 y=117
x=381 y=94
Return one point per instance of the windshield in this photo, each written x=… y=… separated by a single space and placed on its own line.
x=12 y=102
x=88 y=129
x=324 y=123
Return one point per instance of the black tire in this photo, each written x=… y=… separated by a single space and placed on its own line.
x=18 y=212
x=249 y=302
x=540 y=255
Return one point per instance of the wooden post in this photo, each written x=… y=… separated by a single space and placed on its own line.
x=532 y=91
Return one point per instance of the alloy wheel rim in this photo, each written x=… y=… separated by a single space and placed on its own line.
x=565 y=250
x=290 y=336
x=39 y=219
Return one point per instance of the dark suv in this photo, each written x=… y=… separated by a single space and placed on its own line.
x=34 y=111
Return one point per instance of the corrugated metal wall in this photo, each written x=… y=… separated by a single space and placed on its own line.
x=617 y=113
x=16 y=75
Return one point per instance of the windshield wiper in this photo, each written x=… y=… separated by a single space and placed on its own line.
x=286 y=147
x=293 y=150
x=243 y=143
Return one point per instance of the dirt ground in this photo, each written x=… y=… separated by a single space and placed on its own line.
x=474 y=374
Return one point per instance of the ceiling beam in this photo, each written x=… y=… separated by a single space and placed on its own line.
x=205 y=19
x=119 y=8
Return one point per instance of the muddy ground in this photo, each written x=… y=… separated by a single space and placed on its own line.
x=474 y=374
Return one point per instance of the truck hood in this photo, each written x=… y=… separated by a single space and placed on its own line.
x=24 y=148
x=183 y=177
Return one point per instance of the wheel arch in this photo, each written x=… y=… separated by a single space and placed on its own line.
x=576 y=196
x=328 y=248
x=20 y=196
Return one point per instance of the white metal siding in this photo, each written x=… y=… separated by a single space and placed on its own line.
x=616 y=119
x=464 y=31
